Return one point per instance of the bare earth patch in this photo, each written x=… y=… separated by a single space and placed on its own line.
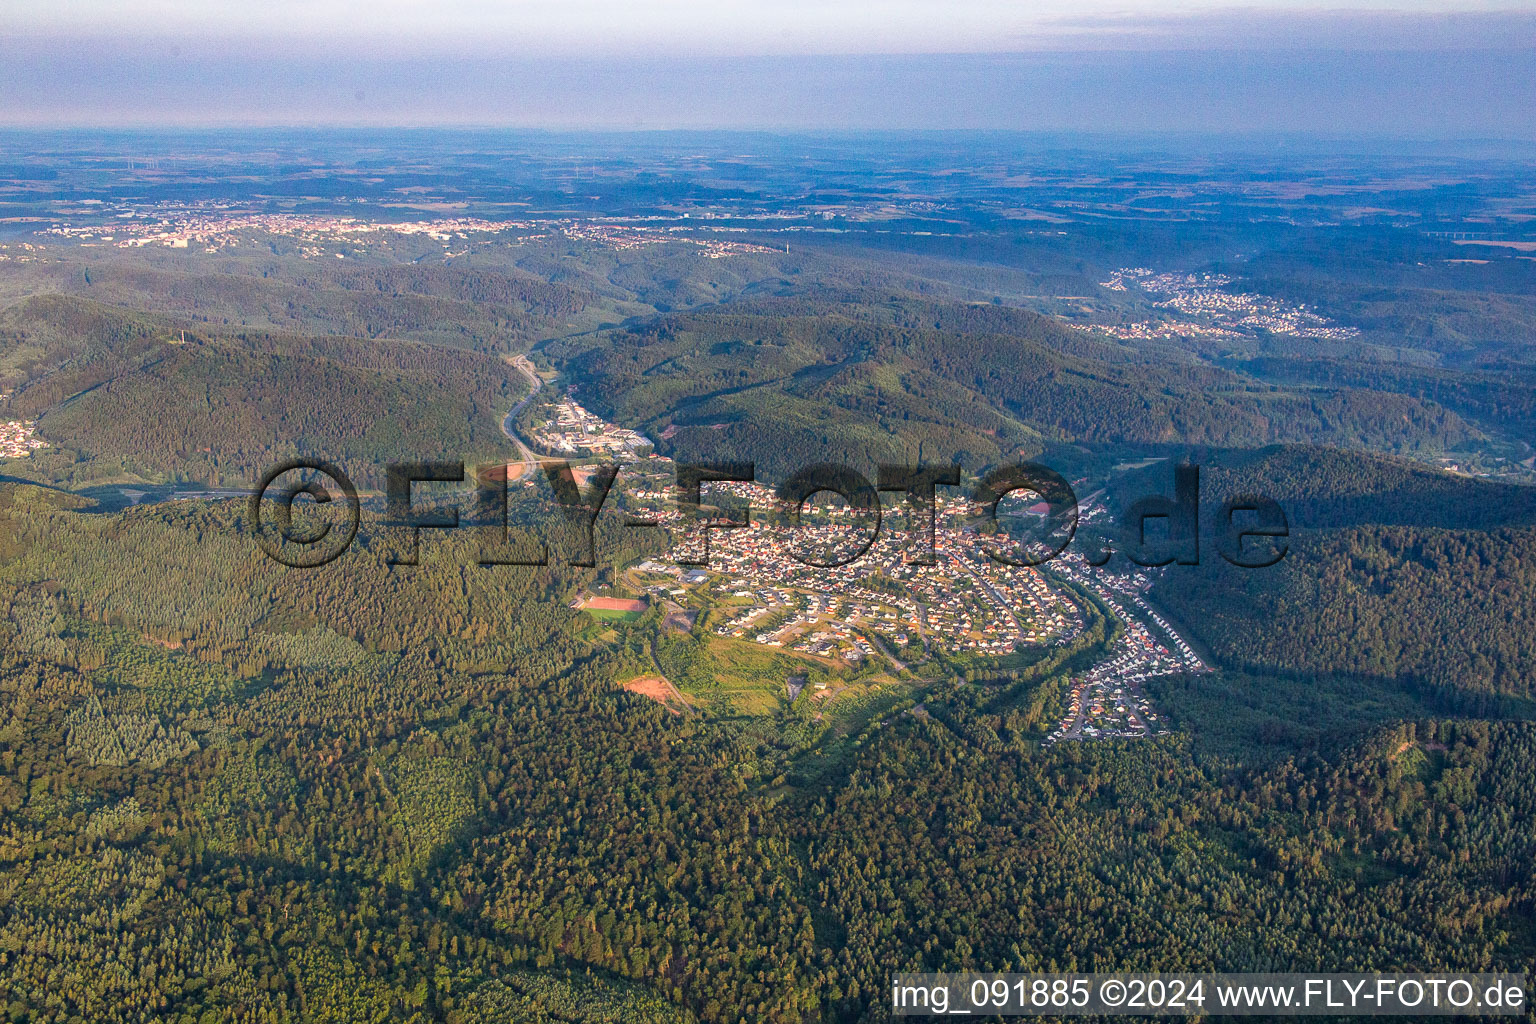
x=678 y=620
x=659 y=690
x=613 y=604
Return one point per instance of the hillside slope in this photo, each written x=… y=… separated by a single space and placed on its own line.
x=140 y=393
x=813 y=379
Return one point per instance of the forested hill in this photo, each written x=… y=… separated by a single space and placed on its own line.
x=484 y=308
x=757 y=386
x=1497 y=399
x=908 y=311
x=1421 y=578
x=129 y=392
x=473 y=790
x=1453 y=610
x=1323 y=487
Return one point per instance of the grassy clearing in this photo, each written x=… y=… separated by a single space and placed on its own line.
x=610 y=615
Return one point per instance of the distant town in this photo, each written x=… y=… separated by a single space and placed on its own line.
x=1210 y=310
x=217 y=230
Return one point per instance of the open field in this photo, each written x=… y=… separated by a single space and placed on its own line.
x=613 y=614
x=1520 y=246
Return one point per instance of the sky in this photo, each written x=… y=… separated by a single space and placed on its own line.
x=1378 y=67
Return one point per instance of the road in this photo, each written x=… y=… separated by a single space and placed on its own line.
x=530 y=461
x=899 y=665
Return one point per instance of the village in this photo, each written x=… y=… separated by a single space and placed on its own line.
x=884 y=610
x=573 y=430
x=216 y=229
x=1211 y=310
x=18 y=439
x=882 y=606
x=1109 y=700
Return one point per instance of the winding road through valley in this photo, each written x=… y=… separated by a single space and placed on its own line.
x=530 y=461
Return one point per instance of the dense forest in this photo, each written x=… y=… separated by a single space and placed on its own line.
x=1393 y=572
x=1441 y=608
x=482 y=309
x=139 y=394
x=1326 y=487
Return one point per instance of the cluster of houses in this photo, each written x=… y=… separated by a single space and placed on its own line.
x=965 y=603
x=18 y=439
x=1205 y=295
x=815 y=624
x=1108 y=701
x=622 y=237
x=573 y=430
x=1221 y=313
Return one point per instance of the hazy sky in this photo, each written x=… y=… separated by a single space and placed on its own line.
x=1378 y=66
x=745 y=27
